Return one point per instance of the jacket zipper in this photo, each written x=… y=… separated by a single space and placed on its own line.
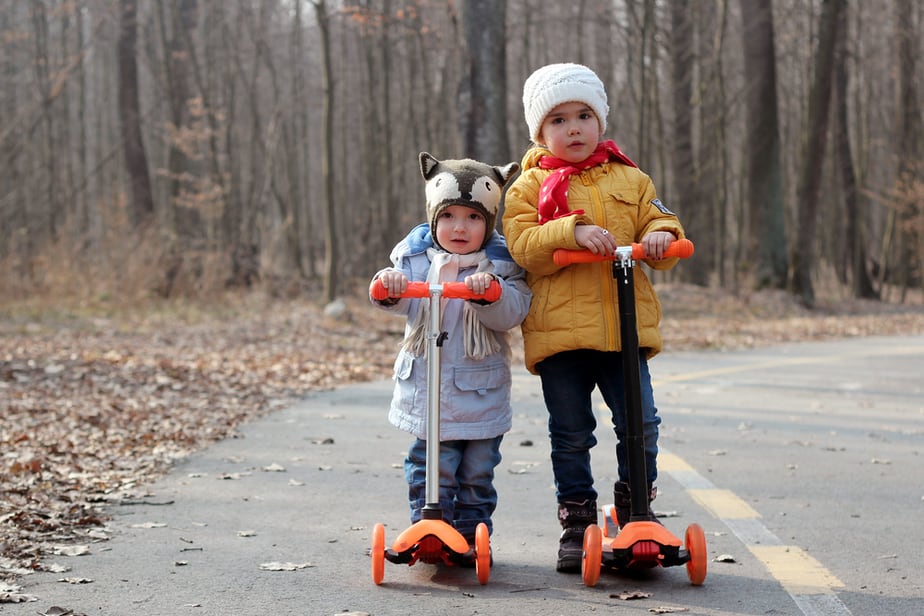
x=609 y=308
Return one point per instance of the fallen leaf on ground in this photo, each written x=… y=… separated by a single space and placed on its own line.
x=70 y=550
x=9 y=593
x=630 y=595
x=58 y=611
x=276 y=566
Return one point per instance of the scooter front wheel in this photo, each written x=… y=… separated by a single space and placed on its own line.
x=593 y=555
x=378 y=553
x=695 y=540
x=482 y=553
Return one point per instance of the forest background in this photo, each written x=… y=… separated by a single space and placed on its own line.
x=195 y=193
x=176 y=148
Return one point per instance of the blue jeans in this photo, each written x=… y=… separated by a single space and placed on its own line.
x=568 y=380
x=467 y=493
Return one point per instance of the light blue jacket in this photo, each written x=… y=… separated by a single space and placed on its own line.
x=474 y=394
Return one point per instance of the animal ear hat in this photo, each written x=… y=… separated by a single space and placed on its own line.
x=464 y=182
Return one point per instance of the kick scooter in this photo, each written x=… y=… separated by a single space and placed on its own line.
x=641 y=542
x=432 y=540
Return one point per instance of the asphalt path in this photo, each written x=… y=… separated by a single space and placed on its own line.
x=802 y=463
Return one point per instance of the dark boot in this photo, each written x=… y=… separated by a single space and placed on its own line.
x=622 y=501
x=574 y=517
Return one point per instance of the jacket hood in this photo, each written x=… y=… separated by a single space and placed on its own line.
x=421 y=238
x=532 y=156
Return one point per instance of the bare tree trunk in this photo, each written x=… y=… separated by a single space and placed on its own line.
x=211 y=191
x=331 y=251
x=641 y=15
x=136 y=160
x=174 y=18
x=42 y=66
x=688 y=197
x=910 y=230
x=803 y=253
x=767 y=234
x=16 y=239
x=303 y=112
x=294 y=144
x=854 y=249
x=713 y=164
x=484 y=86
x=66 y=147
x=181 y=219
x=82 y=222
x=386 y=178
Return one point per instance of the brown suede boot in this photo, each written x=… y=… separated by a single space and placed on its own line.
x=574 y=517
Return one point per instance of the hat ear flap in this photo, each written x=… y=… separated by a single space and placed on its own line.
x=427 y=164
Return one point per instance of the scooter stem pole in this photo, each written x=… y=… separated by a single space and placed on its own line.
x=432 y=508
x=624 y=276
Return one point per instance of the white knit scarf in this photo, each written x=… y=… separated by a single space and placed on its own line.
x=479 y=342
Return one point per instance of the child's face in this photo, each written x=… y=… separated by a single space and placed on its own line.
x=571 y=131
x=460 y=229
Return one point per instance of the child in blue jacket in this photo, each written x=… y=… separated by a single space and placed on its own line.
x=458 y=243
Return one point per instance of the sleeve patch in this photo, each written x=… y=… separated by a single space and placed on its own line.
x=663 y=208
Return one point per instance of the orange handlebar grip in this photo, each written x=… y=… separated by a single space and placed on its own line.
x=563 y=257
x=451 y=290
x=377 y=290
x=682 y=249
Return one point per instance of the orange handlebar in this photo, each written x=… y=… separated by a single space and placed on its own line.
x=678 y=248
x=450 y=290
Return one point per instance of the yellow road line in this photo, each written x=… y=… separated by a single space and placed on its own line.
x=670 y=463
x=724 y=504
x=806 y=580
x=799 y=573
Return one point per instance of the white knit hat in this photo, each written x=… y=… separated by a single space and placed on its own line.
x=555 y=84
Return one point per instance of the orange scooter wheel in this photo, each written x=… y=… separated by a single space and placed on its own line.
x=378 y=553
x=593 y=555
x=695 y=540
x=482 y=553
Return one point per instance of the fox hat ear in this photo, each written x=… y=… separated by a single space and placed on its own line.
x=427 y=164
x=464 y=182
x=507 y=171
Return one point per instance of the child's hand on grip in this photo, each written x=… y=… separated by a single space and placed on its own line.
x=394 y=282
x=656 y=243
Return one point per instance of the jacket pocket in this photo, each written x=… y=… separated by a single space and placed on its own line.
x=480 y=379
x=625 y=210
x=404 y=364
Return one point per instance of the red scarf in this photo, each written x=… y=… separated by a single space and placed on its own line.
x=553 y=194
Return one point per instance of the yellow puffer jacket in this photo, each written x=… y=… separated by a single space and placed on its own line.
x=575 y=307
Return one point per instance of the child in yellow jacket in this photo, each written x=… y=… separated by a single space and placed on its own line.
x=578 y=191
